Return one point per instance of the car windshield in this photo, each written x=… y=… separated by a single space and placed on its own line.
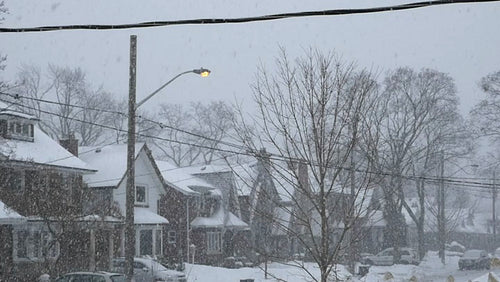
x=155 y=265
x=472 y=254
x=118 y=278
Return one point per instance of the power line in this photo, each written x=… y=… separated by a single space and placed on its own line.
x=126 y=131
x=162 y=170
x=17 y=96
x=160 y=124
x=210 y=21
x=277 y=157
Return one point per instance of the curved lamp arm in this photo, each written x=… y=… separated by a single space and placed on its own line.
x=201 y=71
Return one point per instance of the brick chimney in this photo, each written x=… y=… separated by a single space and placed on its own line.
x=70 y=144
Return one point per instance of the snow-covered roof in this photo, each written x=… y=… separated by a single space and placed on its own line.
x=146 y=216
x=110 y=162
x=9 y=216
x=180 y=180
x=43 y=150
x=4 y=110
x=212 y=168
x=219 y=220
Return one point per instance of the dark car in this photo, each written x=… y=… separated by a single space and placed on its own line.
x=474 y=259
x=91 y=277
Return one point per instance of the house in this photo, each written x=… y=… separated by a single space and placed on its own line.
x=108 y=189
x=278 y=200
x=201 y=204
x=469 y=223
x=42 y=221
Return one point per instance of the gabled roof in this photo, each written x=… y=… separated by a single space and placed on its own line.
x=204 y=169
x=145 y=216
x=219 y=220
x=43 y=150
x=110 y=162
x=180 y=180
x=6 y=112
x=9 y=216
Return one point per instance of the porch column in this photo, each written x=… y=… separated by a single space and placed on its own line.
x=111 y=247
x=92 y=250
x=122 y=242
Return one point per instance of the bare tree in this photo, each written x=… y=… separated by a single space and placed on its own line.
x=97 y=110
x=69 y=86
x=30 y=83
x=3 y=58
x=420 y=108
x=486 y=114
x=311 y=113
x=193 y=135
x=66 y=103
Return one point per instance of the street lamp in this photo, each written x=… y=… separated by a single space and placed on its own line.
x=130 y=189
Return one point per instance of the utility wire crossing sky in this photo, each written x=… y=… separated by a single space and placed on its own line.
x=335 y=12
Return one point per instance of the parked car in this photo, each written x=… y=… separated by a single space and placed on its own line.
x=474 y=259
x=147 y=269
x=454 y=249
x=497 y=253
x=237 y=262
x=386 y=257
x=100 y=276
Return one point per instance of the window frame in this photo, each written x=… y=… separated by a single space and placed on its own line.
x=146 y=195
x=20 y=129
x=38 y=245
x=170 y=236
x=214 y=242
x=158 y=242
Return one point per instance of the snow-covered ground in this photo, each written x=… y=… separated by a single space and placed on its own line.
x=430 y=269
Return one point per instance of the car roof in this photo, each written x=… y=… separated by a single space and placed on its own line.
x=403 y=248
x=90 y=272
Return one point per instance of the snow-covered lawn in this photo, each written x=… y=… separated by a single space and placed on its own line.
x=277 y=272
x=430 y=269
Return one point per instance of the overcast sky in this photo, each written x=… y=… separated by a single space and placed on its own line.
x=461 y=40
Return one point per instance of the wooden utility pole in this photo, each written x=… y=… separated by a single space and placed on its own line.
x=494 y=192
x=441 y=214
x=353 y=248
x=130 y=197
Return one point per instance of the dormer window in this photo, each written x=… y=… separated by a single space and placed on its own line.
x=141 y=195
x=20 y=129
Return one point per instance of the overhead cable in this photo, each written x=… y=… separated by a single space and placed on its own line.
x=211 y=21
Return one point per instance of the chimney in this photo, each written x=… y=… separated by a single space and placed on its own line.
x=303 y=176
x=70 y=144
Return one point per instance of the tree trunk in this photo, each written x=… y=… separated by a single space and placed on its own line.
x=421 y=219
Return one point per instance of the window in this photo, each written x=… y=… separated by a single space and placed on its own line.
x=146 y=242
x=214 y=240
x=141 y=195
x=49 y=247
x=22 y=244
x=172 y=237
x=158 y=243
x=139 y=265
x=21 y=130
x=35 y=245
x=36 y=240
x=3 y=128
